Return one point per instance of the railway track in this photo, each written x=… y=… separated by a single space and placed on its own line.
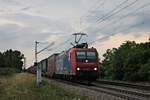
x=125 y=84
x=123 y=90
x=126 y=92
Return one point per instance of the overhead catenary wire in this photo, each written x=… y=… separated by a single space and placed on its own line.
x=143 y=6
x=88 y=12
x=119 y=11
x=59 y=45
x=92 y=8
x=106 y=17
x=51 y=44
x=105 y=37
x=118 y=6
x=136 y=10
x=110 y=12
x=124 y=16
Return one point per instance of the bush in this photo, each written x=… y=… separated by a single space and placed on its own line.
x=129 y=62
x=144 y=72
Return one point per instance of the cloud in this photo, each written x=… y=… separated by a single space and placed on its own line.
x=20 y=30
x=116 y=40
x=110 y=27
x=24 y=21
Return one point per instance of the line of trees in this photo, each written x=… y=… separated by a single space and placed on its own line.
x=11 y=60
x=129 y=62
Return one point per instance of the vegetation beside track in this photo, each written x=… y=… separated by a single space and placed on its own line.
x=129 y=62
x=22 y=86
x=8 y=71
x=10 y=62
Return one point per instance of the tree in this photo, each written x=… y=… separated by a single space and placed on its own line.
x=11 y=59
x=129 y=62
x=1 y=60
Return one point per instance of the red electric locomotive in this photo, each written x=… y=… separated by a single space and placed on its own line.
x=79 y=62
x=85 y=63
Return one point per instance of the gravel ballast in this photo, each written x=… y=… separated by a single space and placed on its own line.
x=91 y=94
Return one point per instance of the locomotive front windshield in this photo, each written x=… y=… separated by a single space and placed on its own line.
x=91 y=55
x=81 y=55
x=86 y=55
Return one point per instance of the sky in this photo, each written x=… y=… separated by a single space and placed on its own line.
x=109 y=22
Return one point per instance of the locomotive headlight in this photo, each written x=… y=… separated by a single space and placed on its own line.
x=78 y=68
x=95 y=68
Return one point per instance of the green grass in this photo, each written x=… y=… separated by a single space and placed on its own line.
x=8 y=71
x=22 y=86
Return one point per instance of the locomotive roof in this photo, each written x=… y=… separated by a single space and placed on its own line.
x=84 y=48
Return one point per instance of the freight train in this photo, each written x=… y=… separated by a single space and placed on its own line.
x=77 y=63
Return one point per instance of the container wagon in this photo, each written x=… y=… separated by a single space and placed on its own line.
x=43 y=64
x=51 y=66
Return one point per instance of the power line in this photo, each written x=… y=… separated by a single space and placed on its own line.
x=59 y=45
x=123 y=17
x=132 y=26
x=88 y=12
x=118 y=11
x=118 y=6
x=51 y=44
x=106 y=17
x=105 y=37
x=91 y=8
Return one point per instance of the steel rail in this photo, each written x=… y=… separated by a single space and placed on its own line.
x=120 y=93
x=125 y=84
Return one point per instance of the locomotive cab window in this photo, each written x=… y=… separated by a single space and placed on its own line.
x=91 y=55
x=81 y=55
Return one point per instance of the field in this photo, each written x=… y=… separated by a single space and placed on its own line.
x=22 y=86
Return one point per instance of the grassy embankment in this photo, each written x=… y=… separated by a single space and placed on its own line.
x=22 y=86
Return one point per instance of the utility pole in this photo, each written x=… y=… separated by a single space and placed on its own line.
x=39 y=76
